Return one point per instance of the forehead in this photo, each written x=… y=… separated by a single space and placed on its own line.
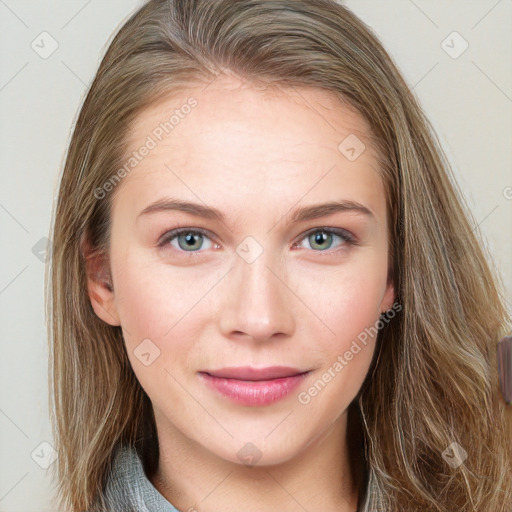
x=228 y=105
x=235 y=140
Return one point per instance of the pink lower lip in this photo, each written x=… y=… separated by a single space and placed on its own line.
x=253 y=393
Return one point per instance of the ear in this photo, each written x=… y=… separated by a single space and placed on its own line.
x=99 y=284
x=389 y=296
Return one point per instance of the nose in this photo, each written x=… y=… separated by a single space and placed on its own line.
x=257 y=305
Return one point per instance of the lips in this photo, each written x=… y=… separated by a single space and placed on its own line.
x=250 y=386
x=255 y=374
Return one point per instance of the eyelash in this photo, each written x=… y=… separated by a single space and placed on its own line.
x=346 y=237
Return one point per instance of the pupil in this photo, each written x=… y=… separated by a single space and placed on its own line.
x=320 y=238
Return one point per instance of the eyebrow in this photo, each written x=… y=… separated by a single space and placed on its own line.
x=300 y=215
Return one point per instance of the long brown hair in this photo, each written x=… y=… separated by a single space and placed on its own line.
x=434 y=378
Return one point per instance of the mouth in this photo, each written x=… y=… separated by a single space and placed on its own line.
x=249 y=373
x=254 y=386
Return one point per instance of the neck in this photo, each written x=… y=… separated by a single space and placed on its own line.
x=320 y=477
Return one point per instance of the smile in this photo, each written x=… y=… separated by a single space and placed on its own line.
x=254 y=387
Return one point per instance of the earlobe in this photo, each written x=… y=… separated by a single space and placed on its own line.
x=99 y=285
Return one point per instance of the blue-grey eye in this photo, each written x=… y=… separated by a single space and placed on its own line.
x=322 y=239
x=189 y=240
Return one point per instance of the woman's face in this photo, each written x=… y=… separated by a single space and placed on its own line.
x=261 y=286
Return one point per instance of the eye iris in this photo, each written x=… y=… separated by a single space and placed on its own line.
x=320 y=237
x=189 y=240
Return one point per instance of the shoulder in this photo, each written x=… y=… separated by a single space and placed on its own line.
x=129 y=487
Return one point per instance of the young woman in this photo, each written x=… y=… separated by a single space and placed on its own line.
x=266 y=292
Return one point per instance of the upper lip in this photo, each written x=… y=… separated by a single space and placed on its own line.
x=250 y=373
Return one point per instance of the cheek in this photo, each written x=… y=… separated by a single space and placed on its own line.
x=152 y=298
x=350 y=309
x=156 y=305
x=347 y=302
x=354 y=310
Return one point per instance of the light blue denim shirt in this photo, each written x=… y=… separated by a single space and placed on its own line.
x=129 y=489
